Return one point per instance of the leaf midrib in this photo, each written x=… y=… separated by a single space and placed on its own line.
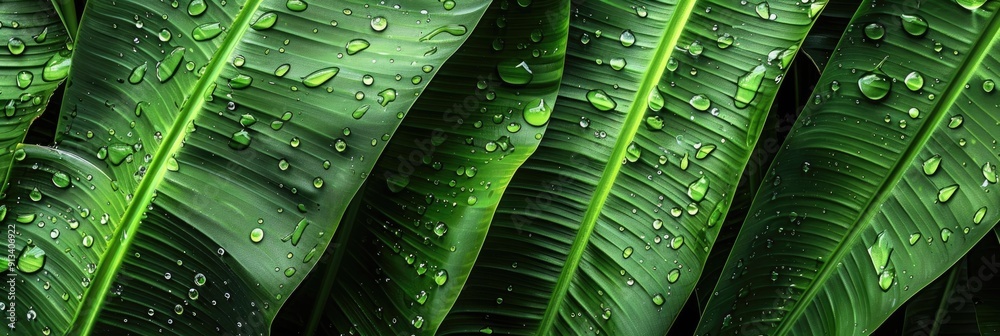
x=979 y=51
x=93 y=299
x=664 y=49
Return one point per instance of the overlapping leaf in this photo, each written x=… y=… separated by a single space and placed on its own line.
x=205 y=153
x=887 y=179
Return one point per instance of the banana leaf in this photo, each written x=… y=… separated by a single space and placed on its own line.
x=886 y=180
x=427 y=209
x=605 y=228
x=34 y=62
x=204 y=153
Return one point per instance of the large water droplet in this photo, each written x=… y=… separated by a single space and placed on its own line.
x=875 y=31
x=166 y=68
x=627 y=38
x=880 y=251
x=874 y=85
x=319 y=77
x=138 y=73
x=379 y=23
x=914 y=81
x=913 y=24
x=57 y=67
x=601 y=100
x=265 y=21
x=514 y=71
x=196 y=7
x=971 y=4
x=946 y=193
x=700 y=102
x=206 y=31
x=536 y=113
x=31 y=259
x=15 y=45
x=633 y=152
x=748 y=85
x=886 y=278
x=357 y=45
x=24 y=79
x=697 y=189
x=931 y=165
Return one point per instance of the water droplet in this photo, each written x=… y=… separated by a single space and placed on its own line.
x=955 y=121
x=627 y=38
x=932 y=164
x=979 y=215
x=440 y=277
x=945 y=234
x=725 y=41
x=31 y=259
x=700 y=102
x=196 y=7
x=748 y=85
x=536 y=112
x=988 y=85
x=654 y=122
x=697 y=189
x=265 y=21
x=874 y=86
x=138 y=73
x=320 y=77
x=15 y=45
x=658 y=299
x=879 y=252
x=240 y=140
x=914 y=81
x=453 y=30
x=200 y=279
x=206 y=31
x=166 y=68
x=24 y=79
x=514 y=72
x=655 y=99
x=673 y=275
x=875 y=31
x=886 y=278
x=913 y=24
x=296 y=5
x=627 y=252
x=57 y=67
x=763 y=10
x=379 y=23
x=601 y=100
x=704 y=151
x=946 y=193
x=632 y=152
x=256 y=235
x=990 y=172
x=971 y=4
x=617 y=63
x=60 y=179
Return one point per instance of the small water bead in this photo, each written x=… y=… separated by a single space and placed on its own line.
x=15 y=46
x=955 y=121
x=875 y=31
x=988 y=85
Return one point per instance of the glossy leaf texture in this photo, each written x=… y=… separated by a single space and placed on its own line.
x=885 y=181
x=33 y=62
x=204 y=154
x=428 y=206
x=605 y=228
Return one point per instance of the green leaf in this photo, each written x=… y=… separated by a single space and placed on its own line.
x=428 y=207
x=67 y=14
x=986 y=294
x=891 y=198
x=567 y=248
x=204 y=157
x=941 y=308
x=33 y=63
